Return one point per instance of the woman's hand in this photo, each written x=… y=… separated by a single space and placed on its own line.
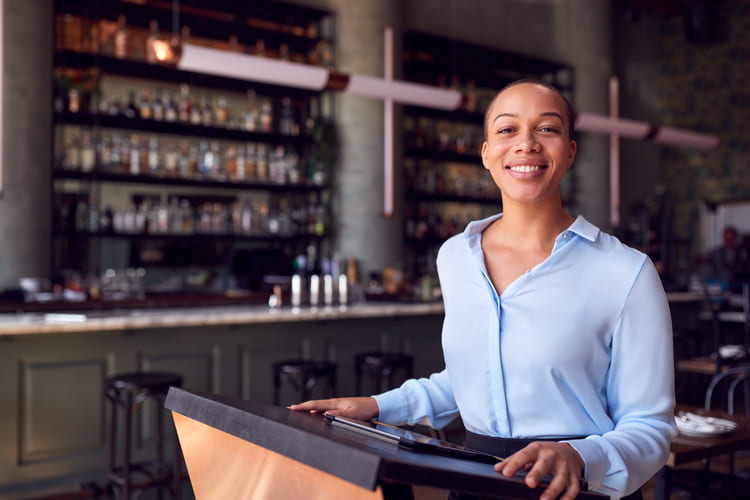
x=363 y=408
x=547 y=457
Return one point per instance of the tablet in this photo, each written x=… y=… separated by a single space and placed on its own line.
x=409 y=439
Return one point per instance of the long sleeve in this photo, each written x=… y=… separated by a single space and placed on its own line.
x=425 y=400
x=640 y=394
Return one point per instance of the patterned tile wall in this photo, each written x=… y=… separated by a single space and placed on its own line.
x=706 y=87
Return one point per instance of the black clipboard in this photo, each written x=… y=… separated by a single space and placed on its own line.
x=409 y=439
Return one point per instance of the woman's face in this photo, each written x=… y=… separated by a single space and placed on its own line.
x=528 y=150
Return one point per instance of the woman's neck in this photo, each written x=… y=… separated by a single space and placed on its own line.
x=533 y=226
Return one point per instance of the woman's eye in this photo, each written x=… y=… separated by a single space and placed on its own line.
x=504 y=130
x=548 y=129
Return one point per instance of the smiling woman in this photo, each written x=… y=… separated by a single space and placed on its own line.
x=556 y=337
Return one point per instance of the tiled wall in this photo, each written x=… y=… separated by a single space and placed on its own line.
x=706 y=87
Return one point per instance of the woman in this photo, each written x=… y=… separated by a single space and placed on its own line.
x=556 y=338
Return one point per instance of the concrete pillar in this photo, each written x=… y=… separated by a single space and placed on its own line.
x=27 y=140
x=583 y=39
x=362 y=230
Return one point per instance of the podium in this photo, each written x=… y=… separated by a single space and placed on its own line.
x=244 y=450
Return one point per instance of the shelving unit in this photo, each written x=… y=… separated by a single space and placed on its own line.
x=446 y=184
x=182 y=172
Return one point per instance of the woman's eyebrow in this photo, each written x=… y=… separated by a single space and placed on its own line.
x=514 y=115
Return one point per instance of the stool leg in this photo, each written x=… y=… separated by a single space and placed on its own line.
x=160 y=441
x=112 y=433
x=126 y=464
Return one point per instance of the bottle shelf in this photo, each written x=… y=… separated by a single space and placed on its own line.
x=98 y=176
x=443 y=156
x=177 y=128
x=457 y=115
x=249 y=21
x=227 y=237
x=447 y=197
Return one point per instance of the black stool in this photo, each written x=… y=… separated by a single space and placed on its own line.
x=382 y=368
x=303 y=375
x=128 y=391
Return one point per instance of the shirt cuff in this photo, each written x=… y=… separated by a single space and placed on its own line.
x=594 y=459
x=392 y=406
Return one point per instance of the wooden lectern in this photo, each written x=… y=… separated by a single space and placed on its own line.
x=242 y=450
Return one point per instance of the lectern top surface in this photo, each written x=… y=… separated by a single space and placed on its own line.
x=363 y=460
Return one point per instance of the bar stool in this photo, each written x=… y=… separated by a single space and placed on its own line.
x=381 y=368
x=303 y=375
x=127 y=392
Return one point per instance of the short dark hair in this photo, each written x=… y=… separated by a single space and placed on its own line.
x=570 y=114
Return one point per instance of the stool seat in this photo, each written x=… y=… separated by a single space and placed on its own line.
x=303 y=375
x=382 y=368
x=126 y=392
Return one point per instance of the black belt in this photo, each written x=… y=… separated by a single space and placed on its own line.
x=504 y=447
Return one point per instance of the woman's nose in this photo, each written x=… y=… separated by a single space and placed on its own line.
x=527 y=142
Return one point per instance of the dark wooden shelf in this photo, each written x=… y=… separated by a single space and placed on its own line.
x=462 y=116
x=446 y=156
x=140 y=125
x=270 y=238
x=274 y=22
x=442 y=198
x=97 y=176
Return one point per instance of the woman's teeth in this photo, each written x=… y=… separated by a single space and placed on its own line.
x=525 y=168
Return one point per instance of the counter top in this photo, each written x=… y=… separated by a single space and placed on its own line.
x=51 y=323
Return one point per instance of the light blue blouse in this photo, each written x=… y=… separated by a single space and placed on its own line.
x=580 y=345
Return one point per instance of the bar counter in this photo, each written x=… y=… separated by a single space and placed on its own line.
x=54 y=366
x=36 y=323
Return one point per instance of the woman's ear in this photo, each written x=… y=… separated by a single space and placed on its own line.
x=484 y=155
x=572 y=149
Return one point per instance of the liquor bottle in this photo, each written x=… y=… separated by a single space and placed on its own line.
x=131 y=110
x=115 y=163
x=260 y=47
x=72 y=157
x=286 y=121
x=284 y=54
x=266 y=116
x=251 y=112
x=206 y=159
x=230 y=162
x=105 y=152
x=207 y=113
x=144 y=108
x=240 y=164
x=171 y=158
x=115 y=107
x=121 y=38
x=261 y=162
x=183 y=160
x=251 y=169
x=88 y=154
x=153 y=37
x=222 y=111
x=184 y=107
x=471 y=95
x=157 y=106
x=170 y=109
x=74 y=101
x=196 y=113
x=135 y=155
x=153 y=155
x=217 y=170
x=234 y=44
